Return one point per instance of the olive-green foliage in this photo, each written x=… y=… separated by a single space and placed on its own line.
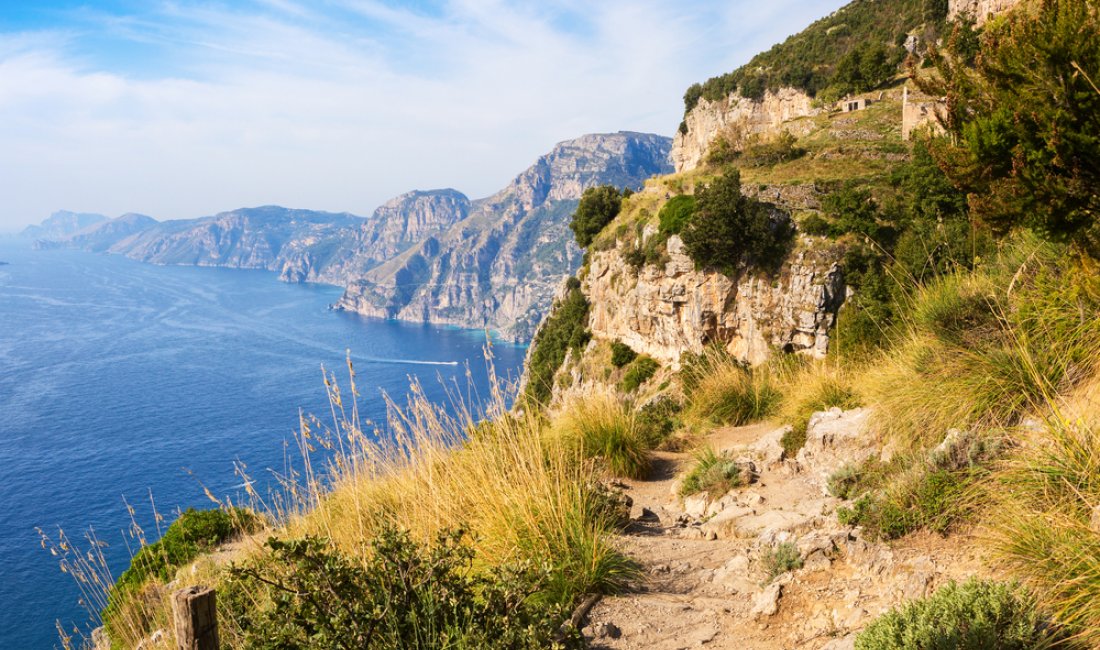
x=601 y=427
x=621 y=354
x=656 y=421
x=194 y=532
x=974 y=615
x=866 y=68
x=809 y=60
x=714 y=473
x=675 y=214
x=566 y=327
x=729 y=230
x=598 y=207
x=304 y=593
x=639 y=372
x=764 y=153
x=1026 y=121
x=780 y=559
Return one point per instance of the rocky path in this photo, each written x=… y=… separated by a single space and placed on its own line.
x=704 y=583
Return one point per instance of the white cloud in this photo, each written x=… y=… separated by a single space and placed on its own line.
x=341 y=110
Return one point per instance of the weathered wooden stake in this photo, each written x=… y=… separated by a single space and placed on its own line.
x=196 y=614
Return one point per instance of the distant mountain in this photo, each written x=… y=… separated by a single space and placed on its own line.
x=432 y=256
x=61 y=224
x=499 y=266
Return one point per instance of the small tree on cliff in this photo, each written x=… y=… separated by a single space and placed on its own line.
x=598 y=207
x=729 y=229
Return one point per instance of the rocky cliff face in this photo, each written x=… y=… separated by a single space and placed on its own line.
x=980 y=10
x=497 y=268
x=735 y=113
x=664 y=311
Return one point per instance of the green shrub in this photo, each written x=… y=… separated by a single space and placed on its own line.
x=715 y=474
x=193 y=533
x=930 y=499
x=780 y=559
x=729 y=230
x=844 y=482
x=763 y=153
x=816 y=225
x=675 y=214
x=306 y=594
x=621 y=354
x=598 y=207
x=656 y=421
x=566 y=327
x=638 y=373
x=974 y=615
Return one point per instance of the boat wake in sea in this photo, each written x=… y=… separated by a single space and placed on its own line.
x=413 y=362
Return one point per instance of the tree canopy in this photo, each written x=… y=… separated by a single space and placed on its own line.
x=598 y=207
x=1024 y=121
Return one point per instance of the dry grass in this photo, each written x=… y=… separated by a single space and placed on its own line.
x=525 y=499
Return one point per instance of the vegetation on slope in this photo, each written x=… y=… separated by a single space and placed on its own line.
x=854 y=49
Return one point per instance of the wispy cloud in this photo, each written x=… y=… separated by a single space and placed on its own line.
x=188 y=108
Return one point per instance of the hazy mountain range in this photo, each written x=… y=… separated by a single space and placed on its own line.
x=427 y=256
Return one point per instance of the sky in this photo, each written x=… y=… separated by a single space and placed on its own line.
x=180 y=109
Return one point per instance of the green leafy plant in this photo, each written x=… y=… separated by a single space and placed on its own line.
x=565 y=328
x=638 y=373
x=621 y=354
x=404 y=595
x=729 y=230
x=974 y=615
x=598 y=207
x=715 y=474
x=780 y=559
x=675 y=214
x=656 y=421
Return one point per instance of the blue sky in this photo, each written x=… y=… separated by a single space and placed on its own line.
x=182 y=109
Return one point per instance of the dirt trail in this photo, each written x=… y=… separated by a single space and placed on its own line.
x=703 y=581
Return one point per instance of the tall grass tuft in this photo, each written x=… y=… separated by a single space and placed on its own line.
x=722 y=391
x=982 y=349
x=810 y=386
x=1045 y=525
x=600 y=427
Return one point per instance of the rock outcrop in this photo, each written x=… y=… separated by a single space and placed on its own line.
x=664 y=311
x=498 y=267
x=979 y=10
x=736 y=114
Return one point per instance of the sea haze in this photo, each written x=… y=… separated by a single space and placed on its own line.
x=120 y=379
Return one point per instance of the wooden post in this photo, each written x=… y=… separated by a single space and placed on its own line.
x=196 y=615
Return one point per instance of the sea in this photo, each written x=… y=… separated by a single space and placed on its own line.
x=125 y=384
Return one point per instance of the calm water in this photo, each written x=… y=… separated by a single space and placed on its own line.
x=117 y=378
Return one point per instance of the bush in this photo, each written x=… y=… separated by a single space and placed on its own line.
x=193 y=533
x=780 y=559
x=656 y=421
x=403 y=595
x=763 y=153
x=812 y=389
x=598 y=207
x=638 y=373
x=715 y=474
x=974 y=615
x=621 y=354
x=729 y=230
x=675 y=214
x=565 y=328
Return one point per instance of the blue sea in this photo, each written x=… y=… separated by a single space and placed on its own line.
x=121 y=380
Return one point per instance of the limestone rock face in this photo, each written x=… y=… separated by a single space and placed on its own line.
x=498 y=267
x=980 y=10
x=709 y=118
x=665 y=311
